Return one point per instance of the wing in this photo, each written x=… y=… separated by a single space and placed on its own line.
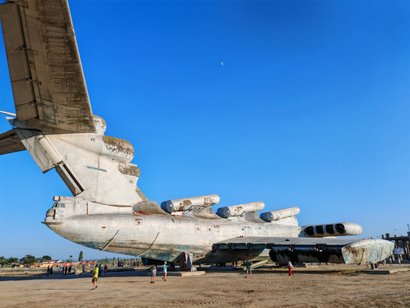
x=303 y=249
x=10 y=143
x=47 y=78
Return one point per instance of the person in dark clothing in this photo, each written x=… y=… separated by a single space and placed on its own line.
x=248 y=268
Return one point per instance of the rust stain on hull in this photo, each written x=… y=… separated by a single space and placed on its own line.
x=118 y=145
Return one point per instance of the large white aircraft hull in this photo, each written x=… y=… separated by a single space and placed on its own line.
x=159 y=237
x=55 y=124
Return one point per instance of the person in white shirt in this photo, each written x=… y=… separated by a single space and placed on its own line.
x=290 y=269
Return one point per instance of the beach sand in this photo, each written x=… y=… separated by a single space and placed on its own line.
x=213 y=289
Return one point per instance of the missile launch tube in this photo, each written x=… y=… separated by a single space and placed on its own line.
x=185 y=204
x=337 y=229
x=239 y=210
x=280 y=214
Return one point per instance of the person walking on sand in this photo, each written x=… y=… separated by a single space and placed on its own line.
x=165 y=271
x=153 y=273
x=248 y=268
x=290 y=268
x=94 y=280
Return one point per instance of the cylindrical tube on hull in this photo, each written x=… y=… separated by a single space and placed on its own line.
x=185 y=204
x=239 y=210
x=337 y=229
x=280 y=214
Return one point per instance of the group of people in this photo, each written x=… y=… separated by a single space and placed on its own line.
x=50 y=270
x=164 y=272
x=98 y=269
x=67 y=269
x=96 y=272
x=248 y=268
x=154 y=272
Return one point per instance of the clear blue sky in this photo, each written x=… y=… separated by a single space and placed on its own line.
x=310 y=108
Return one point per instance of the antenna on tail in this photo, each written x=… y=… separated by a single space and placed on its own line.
x=8 y=113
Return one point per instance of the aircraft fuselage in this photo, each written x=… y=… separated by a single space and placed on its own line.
x=160 y=237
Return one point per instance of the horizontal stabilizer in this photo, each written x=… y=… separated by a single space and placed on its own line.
x=46 y=74
x=10 y=143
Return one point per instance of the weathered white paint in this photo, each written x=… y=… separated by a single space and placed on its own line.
x=280 y=214
x=367 y=251
x=184 y=204
x=162 y=237
x=96 y=165
x=240 y=209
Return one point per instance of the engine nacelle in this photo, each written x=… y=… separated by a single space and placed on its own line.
x=185 y=204
x=338 y=229
x=280 y=214
x=239 y=210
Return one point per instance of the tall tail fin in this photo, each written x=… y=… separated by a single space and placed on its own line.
x=95 y=167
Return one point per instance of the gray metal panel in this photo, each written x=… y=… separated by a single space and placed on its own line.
x=45 y=68
x=19 y=68
x=285 y=241
x=10 y=143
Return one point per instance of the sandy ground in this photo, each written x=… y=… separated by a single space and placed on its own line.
x=213 y=289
